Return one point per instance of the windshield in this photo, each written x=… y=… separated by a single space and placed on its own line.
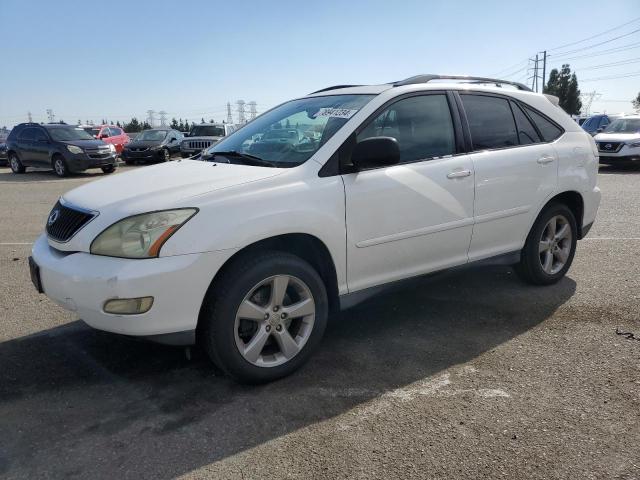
x=290 y=134
x=207 y=131
x=92 y=131
x=62 y=134
x=624 y=125
x=151 y=135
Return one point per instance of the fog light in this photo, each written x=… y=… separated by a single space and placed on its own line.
x=128 y=306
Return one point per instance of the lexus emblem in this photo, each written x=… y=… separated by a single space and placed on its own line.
x=608 y=146
x=53 y=216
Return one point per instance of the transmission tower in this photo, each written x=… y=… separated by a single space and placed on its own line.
x=50 y=115
x=252 y=110
x=587 y=100
x=229 y=117
x=150 y=119
x=163 y=118
x=29 y=117
x=241 y=117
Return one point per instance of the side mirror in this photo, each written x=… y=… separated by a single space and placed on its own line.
x=376 y=152
x=104 y=135
x=600 y=129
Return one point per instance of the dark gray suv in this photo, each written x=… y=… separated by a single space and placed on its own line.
x=65 y=148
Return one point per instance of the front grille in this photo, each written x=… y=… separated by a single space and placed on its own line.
x=139 y=149
x=609 y=146
x=199 y=144
x=98 y=153
x=63 y=222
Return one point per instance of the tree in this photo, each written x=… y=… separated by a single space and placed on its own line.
x=181 y=126
x=79 y=122
x=564 y=85
x=133 y=126
x=174 y=123
x=202 y=120
x=636 y=103
x=186 y=126
x=118 y=124
x=145 y=125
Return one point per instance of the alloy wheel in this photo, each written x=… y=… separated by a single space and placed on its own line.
x=58 y=165
x=15 y=166
x=555 y=244
x=274 y=321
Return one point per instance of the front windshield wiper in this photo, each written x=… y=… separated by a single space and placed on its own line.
x=246 y=158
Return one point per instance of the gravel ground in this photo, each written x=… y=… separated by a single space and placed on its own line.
x=470 y=374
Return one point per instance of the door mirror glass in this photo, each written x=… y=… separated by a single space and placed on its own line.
x=376 y=152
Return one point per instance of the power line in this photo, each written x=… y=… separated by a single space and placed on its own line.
x=598 y=44
x=613 y=64
x=608 y=51
x=594 y=36
x=612 y=77
x=526 y=60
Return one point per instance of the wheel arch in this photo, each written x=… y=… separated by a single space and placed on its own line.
x=306 y=246
x=574 y=201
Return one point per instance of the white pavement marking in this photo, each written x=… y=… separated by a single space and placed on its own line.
x=16 y=243
x=611 y=238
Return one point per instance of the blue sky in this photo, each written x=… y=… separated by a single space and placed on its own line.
x=117 y=59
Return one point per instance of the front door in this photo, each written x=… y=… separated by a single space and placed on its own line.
x=417 y=216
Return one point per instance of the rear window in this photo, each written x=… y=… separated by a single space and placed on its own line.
x=491 y=122
x=549 y=130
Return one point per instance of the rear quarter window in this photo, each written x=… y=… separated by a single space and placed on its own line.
x=549 y=130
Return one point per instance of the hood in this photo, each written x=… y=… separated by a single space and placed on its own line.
x=163 y=186
x=188 y=139
x=144 y=143
x=616 y=137
x=86 y=143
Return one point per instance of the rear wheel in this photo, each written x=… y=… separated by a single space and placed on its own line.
x=60 y=166
x=15 y=164
x=550 y=247
x=265 y=317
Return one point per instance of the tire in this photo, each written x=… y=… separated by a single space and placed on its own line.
x=15 y=164
x=546 y=257
x=223 y=333
x=109 y=169
x=129 y=162
x=166 y=155
x=60 y=166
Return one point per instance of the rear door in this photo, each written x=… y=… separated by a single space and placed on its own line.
x=514 y=172
x=41 y=147
x=26 y=150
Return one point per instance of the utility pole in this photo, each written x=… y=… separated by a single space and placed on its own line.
x=229 y=117
x=163 y=118
x=50 y=115
x=544 y=69
x=150 y=119
x=252 y=110
x=241 y=117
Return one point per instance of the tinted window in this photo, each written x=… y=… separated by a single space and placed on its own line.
x=604 y=121
x=526 y=131
x=422 y=125
x=490 y=122
x=548 y=129
x=27 y=134
x=115 y=131
x=66 y=134
x=39 y=135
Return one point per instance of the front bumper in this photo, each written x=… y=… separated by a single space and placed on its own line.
x=619 y=159
x=147 y=155
x=82 y=161
x=82 y=282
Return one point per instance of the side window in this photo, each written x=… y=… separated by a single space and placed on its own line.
x=27 y=134
x=39 y=135
x=491 y=122
x=587 y=124
x=422 y=125
x=115 y=131
x=526 y=131
x=604 y=122
x=549 y=130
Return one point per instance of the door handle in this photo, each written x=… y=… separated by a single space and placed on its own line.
x=545 y=159
x=459 y=174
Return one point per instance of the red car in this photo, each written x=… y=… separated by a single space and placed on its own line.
x=109 y=134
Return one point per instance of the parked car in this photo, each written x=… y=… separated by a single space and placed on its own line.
x=597 y=123
x=619 y=143
x=109 y=134
x=157 y=144
x=3 y=154
x=65 y=148
x=249 y=255
x=203 y=136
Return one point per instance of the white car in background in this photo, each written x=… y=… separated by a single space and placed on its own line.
x=619 y=143
x=248 y=253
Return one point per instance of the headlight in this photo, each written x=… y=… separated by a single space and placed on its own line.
x=74 y=149
x=140 y=236
x=156 y=147
x=634 y=145
x=112 y=148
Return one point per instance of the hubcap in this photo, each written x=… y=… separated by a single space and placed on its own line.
x=274 y=321
x=14 y=164
x=555 y=244
x=59 y=167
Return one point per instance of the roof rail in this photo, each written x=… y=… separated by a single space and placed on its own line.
x=465 y=78
x=334 y=87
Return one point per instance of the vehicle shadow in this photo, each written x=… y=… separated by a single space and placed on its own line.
x=74 y=401
x=619 y=169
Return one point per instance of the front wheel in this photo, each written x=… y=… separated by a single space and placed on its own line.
x=108 y=168
x=166 y=155
x=60 y=166
x=550 y=246
x=265 y=317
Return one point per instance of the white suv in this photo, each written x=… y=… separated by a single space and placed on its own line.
x=249 y=251
x=619 y=143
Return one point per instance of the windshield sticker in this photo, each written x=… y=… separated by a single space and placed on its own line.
x=335 y=113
